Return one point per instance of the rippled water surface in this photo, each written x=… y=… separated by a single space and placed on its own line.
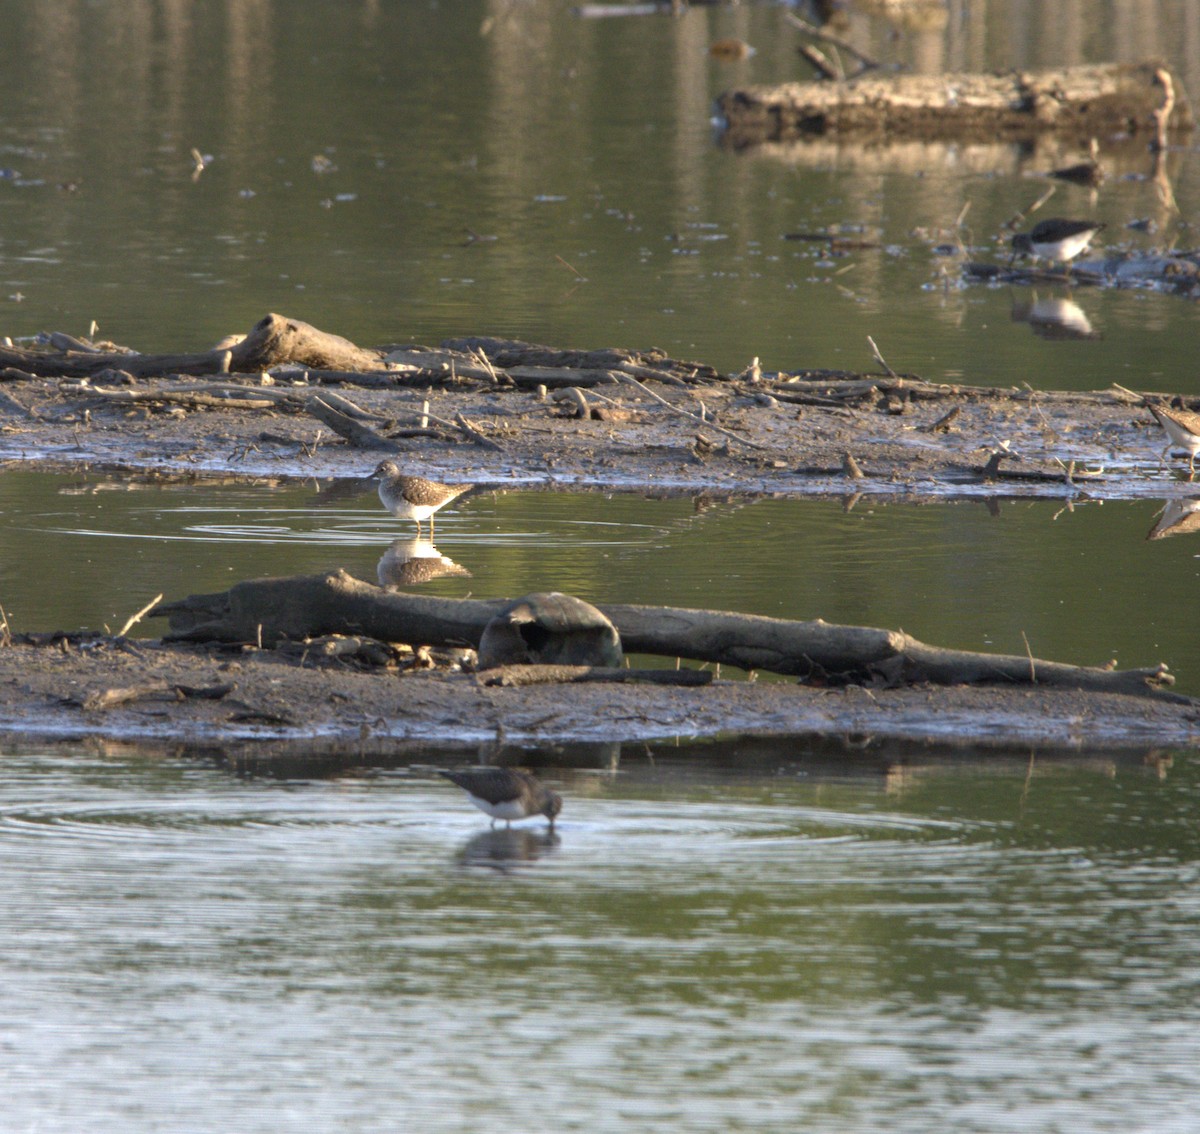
x=733 y=937
x=730 y=937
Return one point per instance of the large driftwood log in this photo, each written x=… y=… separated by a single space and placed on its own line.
x=269 y=610
x=272 y=341
x=1091 y=101
x=275 y=340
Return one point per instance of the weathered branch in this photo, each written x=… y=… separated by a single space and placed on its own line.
x=311 y=605
x=272 y=341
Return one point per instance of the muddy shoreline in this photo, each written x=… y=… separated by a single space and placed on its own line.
x=1068 y=446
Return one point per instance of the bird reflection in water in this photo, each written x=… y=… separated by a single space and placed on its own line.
x=1178 y=517
x=504 y=848
x=409 y=562
x=1054 y=318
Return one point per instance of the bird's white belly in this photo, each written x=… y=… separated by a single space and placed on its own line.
x=404 y=510
x=509 y=810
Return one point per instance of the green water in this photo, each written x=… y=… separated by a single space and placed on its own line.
x=730 y=937
x=724 y=938
x=568 y=140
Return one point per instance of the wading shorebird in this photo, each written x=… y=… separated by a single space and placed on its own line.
x=1055 y=239
x=506 y=793
x=414 y=497
x=1183 y=432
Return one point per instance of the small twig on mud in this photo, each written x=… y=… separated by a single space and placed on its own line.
x=684 y=413
x=134 y=619
x=5 y=631
x=483 y=360
x=473 y=434
x=1033 y=394
x=881 y=360
x=1029 y=655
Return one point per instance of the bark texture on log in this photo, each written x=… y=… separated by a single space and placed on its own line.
x=272 y=341
x=275 y=339
x=306 y=606
x=1089 y=101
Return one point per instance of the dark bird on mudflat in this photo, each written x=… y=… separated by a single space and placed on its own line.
x=506 y=793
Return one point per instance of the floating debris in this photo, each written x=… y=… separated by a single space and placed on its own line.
x=731 y=50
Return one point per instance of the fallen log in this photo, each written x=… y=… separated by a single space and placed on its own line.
x=1084 y=102
x=306 y=606
x=273 y=341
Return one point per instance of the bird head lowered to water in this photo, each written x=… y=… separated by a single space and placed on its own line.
x=506 y=793
x=1055 y=239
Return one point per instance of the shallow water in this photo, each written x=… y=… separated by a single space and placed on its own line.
x=1080 y=584
x=736 y=937
x=727 y=937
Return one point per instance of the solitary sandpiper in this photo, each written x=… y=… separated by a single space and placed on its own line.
x=506 y=793
x=1056 y=239
x=414 y=497
x=1183 y=429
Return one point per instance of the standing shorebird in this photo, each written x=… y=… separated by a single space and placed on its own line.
x=1183 y=432
x=505 y=793
x=1055 y=239
x=414 y=497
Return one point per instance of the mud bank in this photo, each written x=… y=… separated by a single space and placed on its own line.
x=796 y=433
x=219 y=695
x=499 y=413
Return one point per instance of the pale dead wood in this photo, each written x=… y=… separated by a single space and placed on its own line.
x=273 y=341
x=276 y=339
x=695 y=418
x=356 y=432
x=134 y=619
x=866 y=61
x=197 y=400
x=474 y=435
x=112 y=698
x=557 y=377
x=1088 y=101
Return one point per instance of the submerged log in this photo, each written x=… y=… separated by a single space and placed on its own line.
x=1090 y=101
x=270 y=610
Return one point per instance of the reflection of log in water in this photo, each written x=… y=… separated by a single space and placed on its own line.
x=298 y=607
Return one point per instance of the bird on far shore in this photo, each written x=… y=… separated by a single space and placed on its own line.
x=1055 y=239
x=506 y=793
x=1183 y=432
x=414 y=497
